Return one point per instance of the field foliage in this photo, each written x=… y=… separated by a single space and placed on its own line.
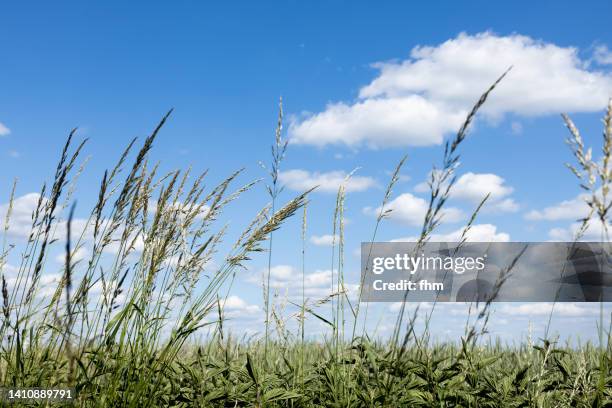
x=121 y=323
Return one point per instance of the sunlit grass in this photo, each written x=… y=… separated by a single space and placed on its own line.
x=120 y=325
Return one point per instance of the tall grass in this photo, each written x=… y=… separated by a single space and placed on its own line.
x=119 y=326
x=152 y=238
x=274 y=189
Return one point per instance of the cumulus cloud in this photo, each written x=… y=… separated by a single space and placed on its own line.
x=415 y=102
x=477 y=233
x=21 y=214
x=77 y=256
x=573 y=209
x=4 y=131
x=283 y=272
x=397 y=306
x=47 y=283
x=602 y=55
x=378 y=122
x=301 y=180
x=183 y=209
x=8 y=270
x=236 y=304
x=546 y=78
x=507 y=205
x=594 y=232
x=287 y=280
x=138 y=242
x=20 y=221
x=473 y=187
x=544 y=309
x=324 y=240
x=20 y=227
x=286 y=276
x=409 y=209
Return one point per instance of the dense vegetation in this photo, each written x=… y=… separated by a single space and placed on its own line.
x=119 y=324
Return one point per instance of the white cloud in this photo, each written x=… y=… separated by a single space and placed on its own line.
x=286 y=279
x=324 y=240
x=397 y=306
x=171 y=262
x=8 y=270
x=544 y=309
x=20 y=227
x=20 y=222
x=573 y=209
x=4 y=131
x=560 y=234
x=138 y=242
x=283 y=272
x=47 y=283
x=286 y=276
x=318 y=279
x=602 y=55
x=528 y=309
x=473 y=187
x=417 y=101
x=477 y=233
x=236 y=304
x=77 y=256
x=410 y=210
x=378 y=122
x=507 y=205
x=594 y=232
x=301 y=180
x=184 y=209
x=545 y=79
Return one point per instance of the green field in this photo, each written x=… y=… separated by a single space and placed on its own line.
x=136 y=343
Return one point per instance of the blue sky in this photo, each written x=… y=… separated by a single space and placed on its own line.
x=348 y=73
